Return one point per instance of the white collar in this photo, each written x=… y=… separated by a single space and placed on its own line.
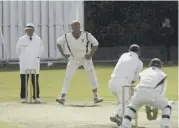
x=32 y=35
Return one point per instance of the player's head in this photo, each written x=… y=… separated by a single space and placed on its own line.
x=29 y=29
x=135 y=48
x=75 y=25
x=167 y=21
x=155 y=62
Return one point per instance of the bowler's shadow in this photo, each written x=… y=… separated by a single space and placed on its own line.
x=138 y=127
x=132 y=127
x=82 y=105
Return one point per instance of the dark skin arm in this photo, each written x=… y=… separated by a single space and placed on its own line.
x=61 y=51
x=89 y=55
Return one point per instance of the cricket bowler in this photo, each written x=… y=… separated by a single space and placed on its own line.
x=29 y=48
x=81 y=47
x=150 y=92
x=126 y=72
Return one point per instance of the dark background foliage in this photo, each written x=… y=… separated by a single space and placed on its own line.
x=116 y=23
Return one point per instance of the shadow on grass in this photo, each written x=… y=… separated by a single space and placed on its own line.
x=101 y=126
x=83 y=105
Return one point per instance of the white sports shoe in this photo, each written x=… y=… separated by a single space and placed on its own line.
x=23 y=100
x=98 y=100
x=38 y=100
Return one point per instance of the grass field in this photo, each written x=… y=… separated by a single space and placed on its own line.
x=51 y=82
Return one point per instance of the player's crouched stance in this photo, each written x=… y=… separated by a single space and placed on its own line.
x=81 y=46
x=150 y=92
x=126 y=72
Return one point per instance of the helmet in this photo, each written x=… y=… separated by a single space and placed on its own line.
x=155 y=62
x=134 y=48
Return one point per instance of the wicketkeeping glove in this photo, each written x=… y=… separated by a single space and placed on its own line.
x=152 y=113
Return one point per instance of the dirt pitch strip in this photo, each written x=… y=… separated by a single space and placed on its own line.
x=53 y=115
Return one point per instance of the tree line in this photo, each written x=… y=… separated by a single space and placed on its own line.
x=125 y=22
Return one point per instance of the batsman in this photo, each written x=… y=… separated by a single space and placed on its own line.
x=150 y=92
x=126 y=72
x=81 y=46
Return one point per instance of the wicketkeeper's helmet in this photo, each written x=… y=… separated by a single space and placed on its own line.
x=155 y=63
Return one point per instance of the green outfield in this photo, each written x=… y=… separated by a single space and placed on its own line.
x=51 y=82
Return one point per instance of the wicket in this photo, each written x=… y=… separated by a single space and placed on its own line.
x=28 y=73
x=130 y=95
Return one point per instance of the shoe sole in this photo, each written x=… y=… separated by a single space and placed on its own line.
x=115 y=121
x=59 y=101
x=99 y=101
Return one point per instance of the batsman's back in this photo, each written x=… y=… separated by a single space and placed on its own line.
x=126 y=66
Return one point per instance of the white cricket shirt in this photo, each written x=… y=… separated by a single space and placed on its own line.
x=153 y=78
x=127 y=68
x=77 y=47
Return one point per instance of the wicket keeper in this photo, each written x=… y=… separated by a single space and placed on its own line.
x=150 y=92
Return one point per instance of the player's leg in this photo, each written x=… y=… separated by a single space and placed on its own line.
x=123 y=100
x=37 y=87
x=112 y=89
x=163 y=104
x=71 y=68
x=115 y=116
x=137 y=101
x=23 y=87
x=89 y=68
x=23 y=92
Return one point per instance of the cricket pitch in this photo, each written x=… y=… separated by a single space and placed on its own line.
x=82 y=115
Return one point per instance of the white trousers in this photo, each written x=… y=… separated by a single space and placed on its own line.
x=71 y=68
x=149 y=97
x=115 y=87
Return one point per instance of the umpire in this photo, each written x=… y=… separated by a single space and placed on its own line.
x=29 y=48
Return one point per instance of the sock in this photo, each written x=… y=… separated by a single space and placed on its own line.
x=63 y=95
x=95 y=93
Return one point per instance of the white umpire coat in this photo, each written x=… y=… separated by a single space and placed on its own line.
x=29 y=52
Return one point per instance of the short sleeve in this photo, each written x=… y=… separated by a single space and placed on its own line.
x=92 y=40
x=61 y=40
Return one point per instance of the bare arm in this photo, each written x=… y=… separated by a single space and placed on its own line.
x=95 y=44
x=60 y=49
x=60 y=42
x=94 y=48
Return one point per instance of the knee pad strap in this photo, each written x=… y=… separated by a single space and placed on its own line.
x=132 y=109
x=166 y=116
x=128 y=117
x=168 y=106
